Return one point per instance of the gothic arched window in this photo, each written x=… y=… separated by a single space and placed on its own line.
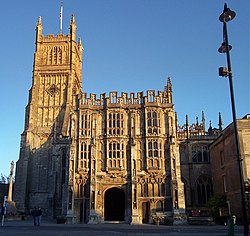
x=204 y=189
x=200 y=153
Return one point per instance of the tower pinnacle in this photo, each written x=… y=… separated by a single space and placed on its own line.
x=203 y=120
x=73 y=28
x=220 y=122
x=39 y=29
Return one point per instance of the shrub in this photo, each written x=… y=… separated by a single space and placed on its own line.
x=215 y=203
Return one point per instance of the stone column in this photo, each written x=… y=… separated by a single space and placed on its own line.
x=93 y=217
x=11 y=182
x=135 y=216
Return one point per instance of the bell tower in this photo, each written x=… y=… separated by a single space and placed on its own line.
x=57 y=78
x=56 y=83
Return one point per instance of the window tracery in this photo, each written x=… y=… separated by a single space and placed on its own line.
x=153 y=122
x=55 y=56
x=154 y=148
x=115 y=123
x=200 y=154
x=85 y=124
x=116 y=154
x=84 y=152
x=204 y=188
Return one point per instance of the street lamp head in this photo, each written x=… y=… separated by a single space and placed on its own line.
x=223 y=48
x=223 y=71
x=227 y=14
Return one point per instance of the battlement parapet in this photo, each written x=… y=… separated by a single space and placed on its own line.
x=139 y=98
x=56 y=38
x=196 y=132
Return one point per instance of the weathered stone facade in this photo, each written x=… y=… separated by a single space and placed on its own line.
x=194 y=141
x=95 y=159
x=225 y=166
x=46 y=146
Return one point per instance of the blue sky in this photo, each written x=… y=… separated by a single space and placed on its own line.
x=130 y=46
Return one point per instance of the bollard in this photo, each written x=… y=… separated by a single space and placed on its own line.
x=234 y=219
x=231 y=223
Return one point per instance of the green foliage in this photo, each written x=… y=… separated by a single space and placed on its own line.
x=3 y=179
x=215 y=203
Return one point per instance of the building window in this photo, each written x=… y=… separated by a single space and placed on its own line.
x=115 y=123
x=153 y=122
x=84 y=151
x=85 y=125
x=115 y=155
x=204 y=188
x=116 y=150
x=224 y=179
x=154 y=148
x=154 y=152
x=200 y=154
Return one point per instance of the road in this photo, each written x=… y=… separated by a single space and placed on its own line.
x=26 y=228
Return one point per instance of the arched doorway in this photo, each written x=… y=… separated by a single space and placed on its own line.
x=145 y=212
x=114 y=205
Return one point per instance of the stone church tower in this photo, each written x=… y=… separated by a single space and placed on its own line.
x=95 y=158
x=42 y=168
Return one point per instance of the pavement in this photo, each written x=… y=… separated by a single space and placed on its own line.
x=49 y=227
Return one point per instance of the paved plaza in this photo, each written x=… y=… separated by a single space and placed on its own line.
x=47 y=228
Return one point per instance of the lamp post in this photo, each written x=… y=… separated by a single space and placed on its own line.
x=226 y=16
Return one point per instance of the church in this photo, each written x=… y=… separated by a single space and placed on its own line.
x=99 y=158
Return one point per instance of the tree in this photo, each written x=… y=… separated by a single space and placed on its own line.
x=216 y=203
x=3 y=179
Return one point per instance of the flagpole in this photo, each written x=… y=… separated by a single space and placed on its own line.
x=61 y=16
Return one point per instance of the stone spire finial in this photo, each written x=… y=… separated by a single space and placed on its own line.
x=73 y=28
x=80 y=41
x=39 y=21
x=39 y=29
x=220 y=122
x=168 y=89
x=169 y=84
x=187 y=120
x=72 y=19
x=187 y=128
x=80 y=44
x=203 y=120
x=203 y=117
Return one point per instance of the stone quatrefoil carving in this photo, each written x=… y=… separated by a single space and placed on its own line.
x=52 y=90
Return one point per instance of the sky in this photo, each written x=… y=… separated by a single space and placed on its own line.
x=129 y=46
